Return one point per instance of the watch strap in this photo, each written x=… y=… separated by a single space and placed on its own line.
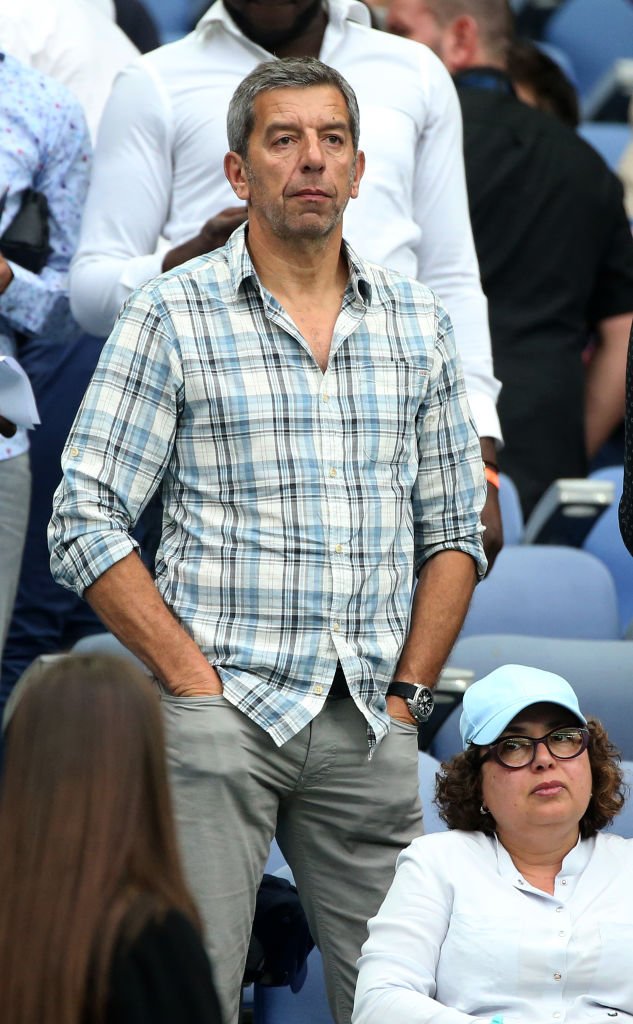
x=406 y=690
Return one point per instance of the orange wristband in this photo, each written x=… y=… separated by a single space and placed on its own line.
x=492 y=476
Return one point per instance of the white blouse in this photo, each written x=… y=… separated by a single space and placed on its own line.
x=462 y=936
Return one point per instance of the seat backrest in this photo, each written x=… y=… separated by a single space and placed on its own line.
x=280 y=1005
x=511 y=511
x=600 y=671
x=594 y=34
x=605 y=542
x=622 y=825
x=545 y=590
x=609 y=139
x=427 y=768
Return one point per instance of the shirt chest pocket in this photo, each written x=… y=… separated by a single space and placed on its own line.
x=390 y=395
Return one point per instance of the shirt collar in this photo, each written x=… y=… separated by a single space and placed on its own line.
x=486 y=78
x=338 y=12
x=241 y=266
x=574 y=863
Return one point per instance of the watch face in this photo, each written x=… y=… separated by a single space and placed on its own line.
x=422 y=704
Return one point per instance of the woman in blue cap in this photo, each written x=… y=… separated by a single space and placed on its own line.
x=523 y=912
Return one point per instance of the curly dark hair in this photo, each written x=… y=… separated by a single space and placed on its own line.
x=458 y=788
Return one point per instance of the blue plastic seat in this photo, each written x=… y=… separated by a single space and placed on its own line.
x=609 y=139
x=600 y=671
x=594 y=34
x=605 y=542
x=280 y=1005
x=511 y=511
x=545 y=590
x=427 y=768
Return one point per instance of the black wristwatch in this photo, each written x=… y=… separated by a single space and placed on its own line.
x=419 y=699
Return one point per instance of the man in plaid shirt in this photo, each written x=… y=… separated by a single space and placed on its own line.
x=304 y=415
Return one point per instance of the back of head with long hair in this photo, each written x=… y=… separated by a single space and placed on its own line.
x=87 y=842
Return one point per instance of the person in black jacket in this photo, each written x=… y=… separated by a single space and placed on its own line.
x=90 y=875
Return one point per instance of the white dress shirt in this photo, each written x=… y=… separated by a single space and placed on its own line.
x=159 y=172
x=462 y=936
x=73 y=41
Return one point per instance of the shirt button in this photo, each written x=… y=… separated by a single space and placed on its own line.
x=332 y=471
x=557 y=976
x=74 y=452
x=561 y=934
x=557 y=1015
x=326 y=398
x=318 y=690
x=563 y=881
x=520 y=881
x=559 y=910
x=336 y=627
x=338 y=548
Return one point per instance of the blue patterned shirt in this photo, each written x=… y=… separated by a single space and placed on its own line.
x=298 y=504
x=44 y=145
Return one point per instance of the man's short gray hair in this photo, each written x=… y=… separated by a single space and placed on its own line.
x=288 y=73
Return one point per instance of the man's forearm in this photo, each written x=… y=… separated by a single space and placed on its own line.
x=440 y=604
x=127 y=601
x=604 y=391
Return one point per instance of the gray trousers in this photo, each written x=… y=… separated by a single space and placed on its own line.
x=15 y=495
x=340 y=821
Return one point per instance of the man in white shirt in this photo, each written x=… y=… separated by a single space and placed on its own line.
x=73 y=41
x=158 y=174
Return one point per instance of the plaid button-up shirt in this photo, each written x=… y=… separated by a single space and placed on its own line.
x=298 y=504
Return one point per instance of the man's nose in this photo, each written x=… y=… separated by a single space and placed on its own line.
x=312 y=153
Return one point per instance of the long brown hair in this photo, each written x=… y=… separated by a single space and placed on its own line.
x=87 y=842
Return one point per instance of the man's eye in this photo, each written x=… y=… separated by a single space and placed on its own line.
x=335 y=140
x=283 y=140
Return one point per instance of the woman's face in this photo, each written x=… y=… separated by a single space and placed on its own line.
x=547 y=792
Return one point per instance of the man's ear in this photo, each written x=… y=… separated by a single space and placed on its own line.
x=359 y=170
x=461 y=44
x=234 y=170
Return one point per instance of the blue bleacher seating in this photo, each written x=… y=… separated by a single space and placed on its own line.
x=609 y=139
x=594 y=34
x=511 y=512
x=545 y=590
x=600 y=671
x=605 y=542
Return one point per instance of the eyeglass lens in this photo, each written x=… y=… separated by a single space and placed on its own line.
x=516 y=751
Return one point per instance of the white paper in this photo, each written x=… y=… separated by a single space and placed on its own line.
x=17 y=401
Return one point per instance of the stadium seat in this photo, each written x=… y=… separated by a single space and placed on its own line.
x=609 y=139
x=545 y=591
x=594 y=34
x=605 y=542
x=280 y=1005
x=623 y=824
x=511 y=512
x=600 y=671
x=427 y=768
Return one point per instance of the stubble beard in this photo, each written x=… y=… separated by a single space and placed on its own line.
x=283 y=228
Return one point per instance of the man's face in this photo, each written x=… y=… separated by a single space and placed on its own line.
x=271 y=23
x=301 y=169
x=416 y=20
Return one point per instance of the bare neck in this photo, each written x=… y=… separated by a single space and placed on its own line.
x=540 y=858
x=303 y=268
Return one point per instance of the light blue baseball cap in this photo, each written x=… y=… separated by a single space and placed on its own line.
x=491 y=703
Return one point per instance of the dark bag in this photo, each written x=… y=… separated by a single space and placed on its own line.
x=25 y=241
x=281 y=940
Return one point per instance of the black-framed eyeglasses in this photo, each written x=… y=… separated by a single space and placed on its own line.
x=520 y=751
